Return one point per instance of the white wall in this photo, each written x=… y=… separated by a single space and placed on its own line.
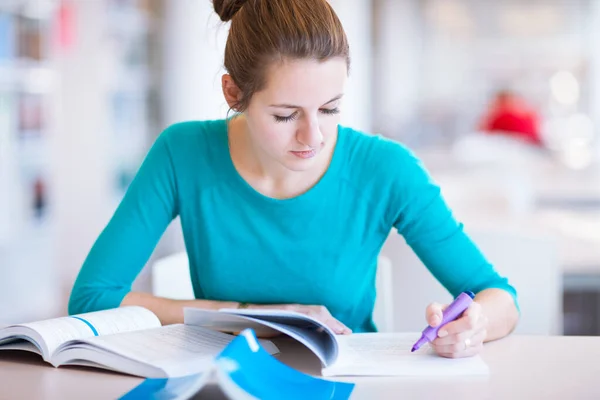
x=356 y=17
x=593 y=44
x=396 y=79
x=193 y=48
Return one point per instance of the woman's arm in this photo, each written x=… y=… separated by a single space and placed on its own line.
x=420 y=214
x=126 y=243
x=501 y=306
x=170 y=311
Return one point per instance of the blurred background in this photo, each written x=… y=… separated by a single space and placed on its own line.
x=500 y=99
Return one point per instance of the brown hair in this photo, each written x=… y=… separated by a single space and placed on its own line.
x=264 y=31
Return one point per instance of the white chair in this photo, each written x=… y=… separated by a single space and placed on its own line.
x=530 y=262
x=171 y=279
x=383 y=312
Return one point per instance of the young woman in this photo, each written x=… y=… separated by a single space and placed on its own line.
x=283 y=208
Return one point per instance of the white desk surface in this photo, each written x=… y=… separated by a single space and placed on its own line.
x=522 y=367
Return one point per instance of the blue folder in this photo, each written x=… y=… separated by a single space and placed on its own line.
x=244 y=370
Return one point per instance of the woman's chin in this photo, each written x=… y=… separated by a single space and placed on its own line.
x=298 y=164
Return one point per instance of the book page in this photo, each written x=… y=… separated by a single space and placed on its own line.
x=177 y=349
x=56 y=331
x=389 y=354
x=19 y=345
x=313 y=334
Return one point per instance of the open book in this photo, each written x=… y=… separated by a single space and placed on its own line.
x=130 y=340
x=374 y=354
x=243 y=371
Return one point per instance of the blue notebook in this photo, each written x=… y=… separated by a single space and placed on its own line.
x=244 y=370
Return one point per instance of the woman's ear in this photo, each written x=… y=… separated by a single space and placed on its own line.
x=231 y=91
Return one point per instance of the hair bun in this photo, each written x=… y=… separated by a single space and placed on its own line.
x=227 y=8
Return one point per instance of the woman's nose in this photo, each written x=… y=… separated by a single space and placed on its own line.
x=310 y=134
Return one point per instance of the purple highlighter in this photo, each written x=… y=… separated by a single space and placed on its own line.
x=454 y=310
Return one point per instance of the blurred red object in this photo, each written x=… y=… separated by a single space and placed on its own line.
x=510 y=115
x=64 y=26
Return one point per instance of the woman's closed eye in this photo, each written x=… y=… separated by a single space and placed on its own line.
x=330 y=111
x=291 y=117
x=294 y=115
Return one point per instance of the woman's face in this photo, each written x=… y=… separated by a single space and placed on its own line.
x=293 y=120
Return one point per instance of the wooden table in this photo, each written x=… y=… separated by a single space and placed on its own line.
x=522 y=367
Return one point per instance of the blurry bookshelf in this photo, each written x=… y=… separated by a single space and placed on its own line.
x=36 y=36
x=26 y=223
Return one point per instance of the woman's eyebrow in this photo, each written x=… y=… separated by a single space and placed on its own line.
x=339 y=96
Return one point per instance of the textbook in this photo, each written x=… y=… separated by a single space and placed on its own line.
x=129 y=340
x=357 y=354
x=243 y=371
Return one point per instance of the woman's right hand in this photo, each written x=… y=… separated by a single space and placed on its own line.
x=319 y=313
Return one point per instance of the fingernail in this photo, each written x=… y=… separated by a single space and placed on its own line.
x=442 y=333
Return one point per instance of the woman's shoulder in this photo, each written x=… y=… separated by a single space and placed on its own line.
x=185 y=131
x=386 y=170
x=377 y=153
x=194 y=150
x=194 y=139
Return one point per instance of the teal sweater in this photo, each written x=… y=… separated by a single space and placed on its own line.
x=319 y=248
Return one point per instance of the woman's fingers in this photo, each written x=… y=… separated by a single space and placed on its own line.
x=471 y=320
x=463 y=344
x=454 y=338
x=471 y=351
x=463 y=337
x=322 y=314
x=338 y=327
x=434 y=314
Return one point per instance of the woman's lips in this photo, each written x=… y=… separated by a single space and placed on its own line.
x=304 y=154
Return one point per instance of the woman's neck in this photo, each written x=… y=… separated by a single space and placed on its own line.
x=265 y=175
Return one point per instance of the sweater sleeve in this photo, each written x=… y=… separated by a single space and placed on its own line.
x=127 y=241
x=422 y=217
